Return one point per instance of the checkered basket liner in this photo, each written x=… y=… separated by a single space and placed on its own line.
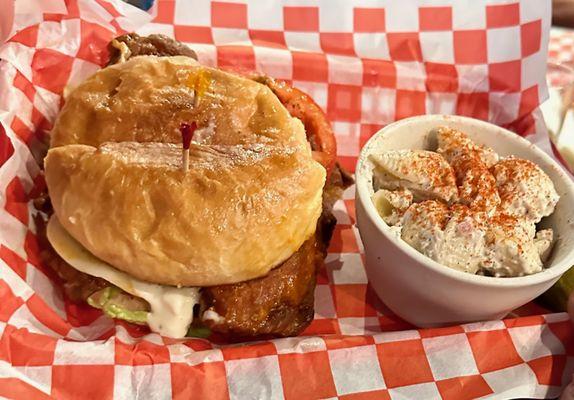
x=366 y=63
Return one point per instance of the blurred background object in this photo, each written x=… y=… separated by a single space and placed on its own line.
x=559 y=118
x=143 y=4
x=563 y=13
x=6 y=18
x=558 y=109
x=556 y=298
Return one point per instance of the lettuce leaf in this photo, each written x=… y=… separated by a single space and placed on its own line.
x=198 y=332
x=116 y=303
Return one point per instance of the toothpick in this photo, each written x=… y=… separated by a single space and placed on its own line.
x=185 y=160
x=187 y=131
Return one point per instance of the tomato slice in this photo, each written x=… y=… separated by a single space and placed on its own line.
x=300 y=105
x=317 y=126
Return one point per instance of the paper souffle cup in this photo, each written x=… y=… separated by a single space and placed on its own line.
x=424 y=292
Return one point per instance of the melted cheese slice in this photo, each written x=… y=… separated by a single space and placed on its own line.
x=171 y=307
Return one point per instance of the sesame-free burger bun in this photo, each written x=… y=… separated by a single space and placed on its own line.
x=238 y=212
x=250 y=199
x=146 y=98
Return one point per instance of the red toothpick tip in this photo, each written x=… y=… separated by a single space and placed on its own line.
x=187 y=131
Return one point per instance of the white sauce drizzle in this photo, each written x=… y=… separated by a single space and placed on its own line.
x=211 y=315
x=171 y=307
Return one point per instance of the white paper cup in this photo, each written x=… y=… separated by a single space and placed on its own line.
x=426 y=293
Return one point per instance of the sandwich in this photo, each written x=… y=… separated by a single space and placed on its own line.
x=224 y=235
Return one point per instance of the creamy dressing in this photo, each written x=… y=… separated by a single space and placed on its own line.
x=488 y=227
x=212 y=316
x=452 y=237
x=171 y=307
x=427 y=175
x=391 y=205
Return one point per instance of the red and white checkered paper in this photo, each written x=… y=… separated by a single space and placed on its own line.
x=367 y=63
x=561 y=46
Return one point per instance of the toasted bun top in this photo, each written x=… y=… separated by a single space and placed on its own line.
x=250 y=199
x=146 y=99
